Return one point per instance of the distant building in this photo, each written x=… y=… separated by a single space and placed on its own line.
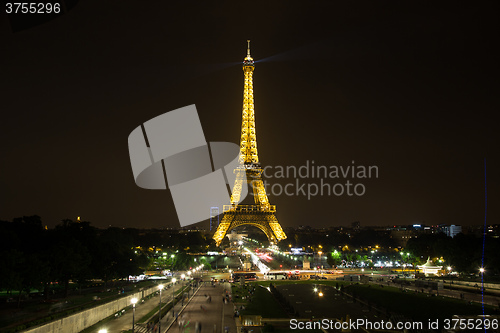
x=214 y=218
x=493 y=231
x=452 y=230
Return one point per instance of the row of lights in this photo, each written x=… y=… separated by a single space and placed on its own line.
x=160 y=287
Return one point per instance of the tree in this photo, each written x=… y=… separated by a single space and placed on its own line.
x=334 y=259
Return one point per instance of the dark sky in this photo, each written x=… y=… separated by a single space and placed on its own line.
x=410 y=88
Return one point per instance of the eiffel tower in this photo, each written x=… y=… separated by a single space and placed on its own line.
x=261 y=215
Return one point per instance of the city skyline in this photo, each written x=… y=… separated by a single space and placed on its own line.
x=402 y=88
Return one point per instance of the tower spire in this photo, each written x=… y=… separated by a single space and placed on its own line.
x=248 y=142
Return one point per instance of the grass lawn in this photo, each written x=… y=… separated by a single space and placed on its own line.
x=416 y=305
x=262 y=303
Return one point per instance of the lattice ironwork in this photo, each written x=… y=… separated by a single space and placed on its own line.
x=262 y=214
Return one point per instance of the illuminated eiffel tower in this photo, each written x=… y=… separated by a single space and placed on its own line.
x=261 y=215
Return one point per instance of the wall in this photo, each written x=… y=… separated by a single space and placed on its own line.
x=79 y=321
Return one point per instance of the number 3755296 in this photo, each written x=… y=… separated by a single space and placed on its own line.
x=32 y=8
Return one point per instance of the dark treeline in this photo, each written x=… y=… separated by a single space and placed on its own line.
x=465 y=253
x=33 y=257
x=335 y=240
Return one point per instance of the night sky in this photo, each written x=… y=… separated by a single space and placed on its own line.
x=410 y=88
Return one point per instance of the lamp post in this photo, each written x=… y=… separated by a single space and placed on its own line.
x=182 y=291
x=320 y=259
x=481 y=270
x=173 y=295
x=159 y=311
x=190 y=282
x=133 y=301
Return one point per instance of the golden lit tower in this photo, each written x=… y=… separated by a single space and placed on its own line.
x=261 y=215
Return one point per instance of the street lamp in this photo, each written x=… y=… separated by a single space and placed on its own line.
x=404 y=275
x=190 y=282
x=133 y=301
x=173 y=295
x=183 y=276
x=320 y=259
x=159 y=312
x=103 y=331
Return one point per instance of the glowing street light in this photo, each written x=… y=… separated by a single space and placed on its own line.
x=320 y=294
x=481 y=270
x=103 y=331
x=315 y=290
x=133 y=301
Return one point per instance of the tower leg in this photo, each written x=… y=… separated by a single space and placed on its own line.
x=222 y=229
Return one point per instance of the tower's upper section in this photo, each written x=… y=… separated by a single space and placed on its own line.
x=248 y=143
x=248 y=62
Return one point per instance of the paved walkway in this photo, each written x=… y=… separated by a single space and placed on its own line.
x=124 y=322
x=213 y=317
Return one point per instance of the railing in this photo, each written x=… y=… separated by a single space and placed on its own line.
x=249 y=208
